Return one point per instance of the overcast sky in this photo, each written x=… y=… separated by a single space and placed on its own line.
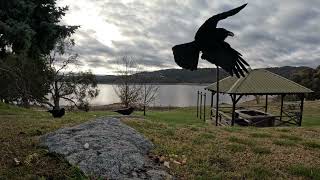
x=267 y=32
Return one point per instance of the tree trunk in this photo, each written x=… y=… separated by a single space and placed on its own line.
x=25 y=102
x=126 y=101
x=56 y=96
x=56 y=101
x=144 y=110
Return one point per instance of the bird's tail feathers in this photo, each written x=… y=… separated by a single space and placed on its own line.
x=186 y=55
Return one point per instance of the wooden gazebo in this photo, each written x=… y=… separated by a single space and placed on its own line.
x=258 y=82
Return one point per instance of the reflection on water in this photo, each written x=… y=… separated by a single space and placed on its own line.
x=168 y=95
x=107 y=95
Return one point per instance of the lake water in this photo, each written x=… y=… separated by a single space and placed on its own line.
x=168 y=95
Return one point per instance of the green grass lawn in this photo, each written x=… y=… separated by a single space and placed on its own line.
x=206 y=152
x=234 y=152
x=20 y=130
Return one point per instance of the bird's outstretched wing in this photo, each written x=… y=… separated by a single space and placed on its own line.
x=227 y=58
x=213 y=21
x=186 y=55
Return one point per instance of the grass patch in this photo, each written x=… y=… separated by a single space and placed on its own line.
x=245 y=141
x=284 y=142
x=176 y=117
x=259 y=172
x=194 y=128
x=284 y=129
x=236 y=148
x=290 y=137
x=311 y=144
x=169 y=131
x=207 y=136
x=199 y=141
x=261 y=150
x=308 y=172
x=222 y=162
x=260 y=135
x=232 y=129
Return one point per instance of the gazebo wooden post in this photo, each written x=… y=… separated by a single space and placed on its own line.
x=200 y=105
x=211 y=104
x=301 y=108
x=217 y=96
x=204 y=107
x=266 y=108
x=235 y=100
x=281 y=108
x=233 y=97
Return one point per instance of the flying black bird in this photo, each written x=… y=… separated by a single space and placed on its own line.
x=57 y=113
x=210 y=41
x=126 y=111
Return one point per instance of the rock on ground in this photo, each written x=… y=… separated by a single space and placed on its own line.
x=105 y=148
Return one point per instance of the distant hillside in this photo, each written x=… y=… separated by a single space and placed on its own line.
x=286 y=71
x=205 y=75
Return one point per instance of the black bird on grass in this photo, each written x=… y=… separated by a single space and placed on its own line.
x=210 y=41
x=57 y=113
x=126 y=111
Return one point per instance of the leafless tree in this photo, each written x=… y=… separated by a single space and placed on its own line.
x=132 y=88
x=76 y=88
x=148 y=95
x=127 y=89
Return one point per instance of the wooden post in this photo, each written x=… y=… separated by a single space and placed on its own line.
x=204 y=107
x=211 y=105
x=266 y=108
x=200 y=104
x=235 y=100
x=281 y=108
x=301 y=109
x=233 y=97
x=217 y=96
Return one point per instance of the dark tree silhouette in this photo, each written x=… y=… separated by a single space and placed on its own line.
x=29 y=31
x=210 y=41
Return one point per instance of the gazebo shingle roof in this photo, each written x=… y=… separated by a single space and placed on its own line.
x=259 y=81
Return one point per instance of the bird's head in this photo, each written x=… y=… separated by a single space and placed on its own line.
x=223 y=33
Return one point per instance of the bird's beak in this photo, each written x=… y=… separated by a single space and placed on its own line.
x=230 y=34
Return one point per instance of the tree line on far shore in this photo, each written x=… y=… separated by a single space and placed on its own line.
x=306 y=76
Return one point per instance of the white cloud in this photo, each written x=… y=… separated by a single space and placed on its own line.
x=268 y=33
x=86 y=14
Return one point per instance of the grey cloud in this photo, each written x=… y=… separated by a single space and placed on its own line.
x=268 y=33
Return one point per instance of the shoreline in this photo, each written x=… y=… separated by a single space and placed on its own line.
x=201 y=84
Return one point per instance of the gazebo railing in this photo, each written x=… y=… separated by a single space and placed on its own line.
x=223 y=118
x=290 y=116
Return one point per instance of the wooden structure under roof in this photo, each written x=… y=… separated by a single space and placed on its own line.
x=261 y=82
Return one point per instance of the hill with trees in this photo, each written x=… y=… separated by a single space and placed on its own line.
x=204 y=75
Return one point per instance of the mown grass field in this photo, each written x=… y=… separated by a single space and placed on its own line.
x=228 y=153
x=20 y=130
x=210 y=152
